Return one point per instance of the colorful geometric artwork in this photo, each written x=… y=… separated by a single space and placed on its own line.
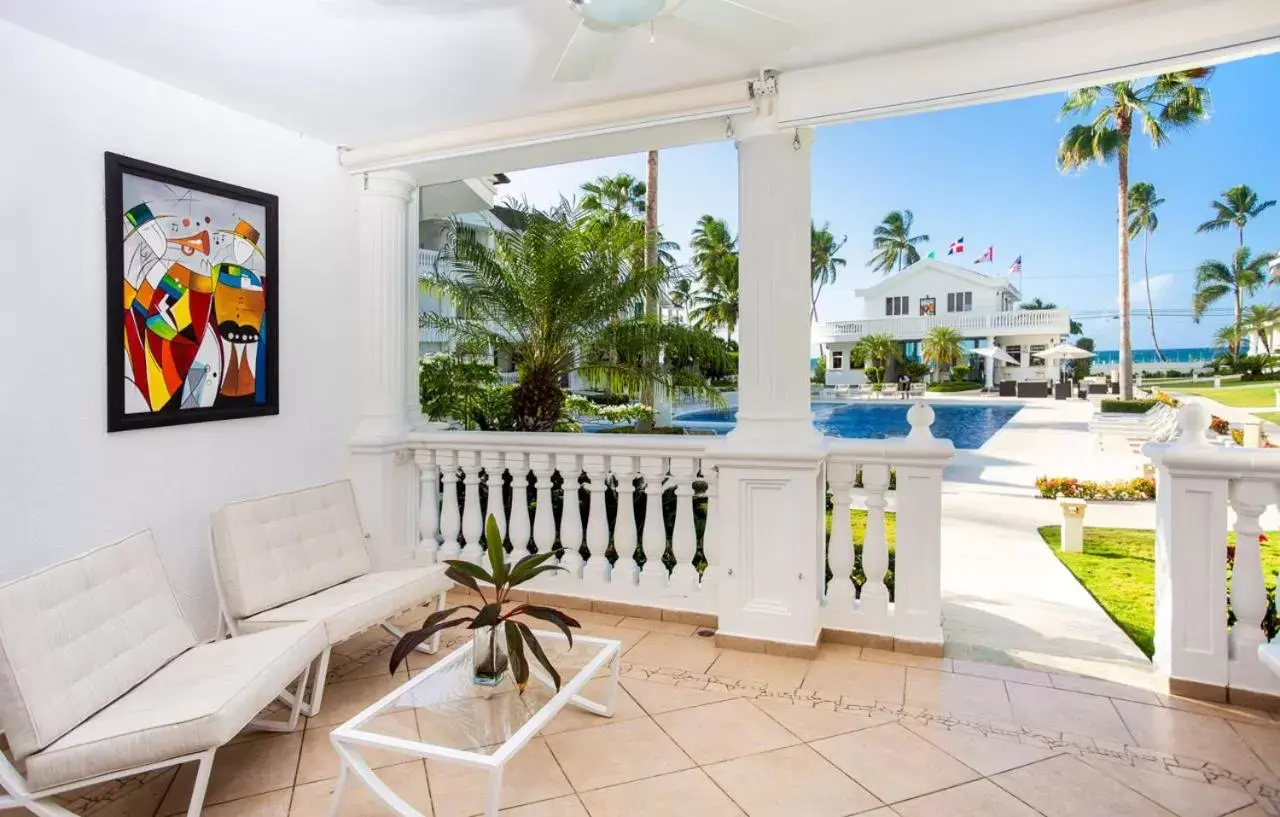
x=191 y=310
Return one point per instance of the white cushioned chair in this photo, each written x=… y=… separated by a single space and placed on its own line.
x=101 y=677
x=302 y=556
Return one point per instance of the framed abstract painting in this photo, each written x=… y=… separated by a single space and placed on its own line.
x=192 y=320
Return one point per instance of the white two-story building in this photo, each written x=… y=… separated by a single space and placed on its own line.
x=930 y=293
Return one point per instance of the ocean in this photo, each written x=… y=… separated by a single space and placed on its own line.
x=1194 y=354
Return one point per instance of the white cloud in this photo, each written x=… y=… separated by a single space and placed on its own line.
x=1138 y=290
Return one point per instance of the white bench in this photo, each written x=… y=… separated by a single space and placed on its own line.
x=102 y=677
x=302 y=556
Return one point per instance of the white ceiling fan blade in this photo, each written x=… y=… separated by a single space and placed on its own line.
x=735 y=23
x=586 y=53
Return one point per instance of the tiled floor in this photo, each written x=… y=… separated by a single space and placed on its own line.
x=700 y=731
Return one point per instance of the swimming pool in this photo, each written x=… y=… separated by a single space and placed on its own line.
x=966 y=425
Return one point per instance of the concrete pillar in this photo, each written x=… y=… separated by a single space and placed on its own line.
x=991 y=365
x=1072 y=528
x=381 y=469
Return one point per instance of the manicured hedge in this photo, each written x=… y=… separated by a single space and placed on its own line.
x=963 y=385
x=1127 y=406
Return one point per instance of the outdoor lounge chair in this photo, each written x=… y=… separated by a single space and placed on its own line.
x=301 y=556
x=866 y=390
x=918 y=389
x=102 y=677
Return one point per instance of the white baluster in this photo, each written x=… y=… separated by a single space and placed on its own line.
x=496 y=505
x=428 y=506
x=875 y=550
x=684 y=538
x=544 y=520
x=1249 y=498
x=710 y=547
x=450 y=519
x=570 y=514
x=840 y=591
x=597 y=567
x=472 y=513
x=625 y=571
x=519 y=530
x=653 y=576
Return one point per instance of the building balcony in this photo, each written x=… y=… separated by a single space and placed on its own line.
x=969 y=324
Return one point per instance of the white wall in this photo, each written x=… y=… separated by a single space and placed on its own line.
x=930 y=282
x=65 y=484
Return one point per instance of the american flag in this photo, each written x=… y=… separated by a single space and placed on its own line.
x=987 y=257
x=1016 y=267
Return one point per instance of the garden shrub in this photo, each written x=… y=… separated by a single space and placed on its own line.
x=1219 y=425
x=1124 y=490
x=964 y=385
x=1167 y=399
x=1127 y=406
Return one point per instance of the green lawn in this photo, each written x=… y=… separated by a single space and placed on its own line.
x=1262 y=395
x=1270 y=416
x=1117 y=567
x=1185 y=383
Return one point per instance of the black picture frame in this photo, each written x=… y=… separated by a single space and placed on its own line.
x=117 y=167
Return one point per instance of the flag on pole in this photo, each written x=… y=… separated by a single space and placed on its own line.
x=988 y=256
x=932 y=254
x=1016 y=267
x=956 y=247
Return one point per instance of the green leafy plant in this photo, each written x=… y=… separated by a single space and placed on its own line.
x=497 y=612
x=1127 y=406
x=954 y=385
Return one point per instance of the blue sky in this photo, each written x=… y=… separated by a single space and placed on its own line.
x=987 y=173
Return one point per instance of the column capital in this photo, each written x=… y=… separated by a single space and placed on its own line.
x=749 y=127
x=392 y=183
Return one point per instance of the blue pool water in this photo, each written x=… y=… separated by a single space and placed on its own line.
x=967 y=426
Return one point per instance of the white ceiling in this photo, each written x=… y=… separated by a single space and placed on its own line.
x=363 y=72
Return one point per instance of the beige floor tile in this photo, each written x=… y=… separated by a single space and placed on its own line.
x=272 y=804
x=948 y=692
x=407 y=780
x=569 y=806
x=1065 y=787
x=571 y=717
x=1196 y=736
x=671 y=795
x=616 y=753
x=1060 y=710
x=880 y=812
x=893 y=763
x=828 y=651
x=662 y=650
x=981 y=798
x=1111 y=689
x=320 y=762
x=1231 y=713
x=368 y=664
x=343 y=701
x=1001 y=672
x=655 y=626
x=906 y=659
x=1263 y=740
x=1250 y=811
x=984 y=755
x=629 y=636
x=418 y=661
x=128 y=797
x=1185 y=798
x=723 y=731
x=656 y=698
x=810 y=785
x=531 y=775
x=778 y=671
x=240 y=770
x=814 y=723
x=859 y=680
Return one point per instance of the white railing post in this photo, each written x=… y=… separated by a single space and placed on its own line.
x=596 y=570
x=684 y=537
x=544 y=516
x=450 y=519
x=1249 y=498
x=653 y=575
x=496 y=507
x=874 y=602
x=570 y=515
x=472 y=513
x=841 y=592
x=625 y=572
x=519 y=529
x=710 y=546
x=428 y=507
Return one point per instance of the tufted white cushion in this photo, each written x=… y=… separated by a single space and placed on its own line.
x=200 y=700
x=353 y=606
x=78 y=635
x=280 y=548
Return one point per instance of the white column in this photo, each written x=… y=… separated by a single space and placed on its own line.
x=412 y=401
x=991 y=365
x=382 y=471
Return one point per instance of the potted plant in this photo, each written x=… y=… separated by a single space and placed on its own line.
x=498 y=639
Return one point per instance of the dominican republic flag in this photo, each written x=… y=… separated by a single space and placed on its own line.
x=956 y=247
x=1016 y=267
x=988 y=256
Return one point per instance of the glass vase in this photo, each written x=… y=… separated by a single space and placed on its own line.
x=488 y=656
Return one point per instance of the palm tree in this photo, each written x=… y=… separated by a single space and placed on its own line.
x=1261 y=320
x=1035 y=303
x=615 y=198
x=824 y=261
x=1167 y=102
x=1143 y=220
x=876 y=349
x=1215 y=281
x=942 y=348
x=895 y=246
x=558 y=293
x=681 y=295
x=1227 y=339
x=715 y=262
x=1238 y=207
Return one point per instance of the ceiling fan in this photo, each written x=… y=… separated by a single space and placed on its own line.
x=722 y=22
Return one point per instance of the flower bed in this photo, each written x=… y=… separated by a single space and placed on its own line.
x=1125 y=490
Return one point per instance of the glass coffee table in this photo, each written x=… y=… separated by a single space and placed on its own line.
x=461 y=722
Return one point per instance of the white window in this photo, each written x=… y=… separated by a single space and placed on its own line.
x=1015 y=352
x=895 y=305
x=959 y=301
x=1039 y=347
x=837 y=359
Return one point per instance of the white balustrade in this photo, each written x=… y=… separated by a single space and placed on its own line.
x=450 y=518
x=570 y=515
x=472 y=513
x=597 y=519
x=428 y=506
x=908 y=327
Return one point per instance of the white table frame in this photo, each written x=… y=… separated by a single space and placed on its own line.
x=348 y=738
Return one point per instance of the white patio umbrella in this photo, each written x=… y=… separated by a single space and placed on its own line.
x=995 y=353
x=1063 y=351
